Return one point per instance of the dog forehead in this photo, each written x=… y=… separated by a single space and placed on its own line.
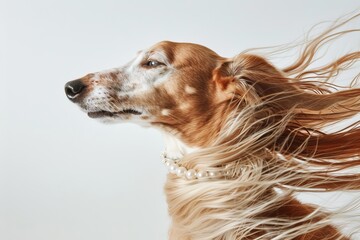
x=163 y=50
x=182 y=52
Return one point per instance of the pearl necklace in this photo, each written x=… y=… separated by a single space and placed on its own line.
x=173 y=165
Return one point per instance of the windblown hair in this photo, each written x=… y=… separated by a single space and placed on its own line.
x=277 y=141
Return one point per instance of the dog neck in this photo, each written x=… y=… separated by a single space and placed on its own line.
x=175 y=148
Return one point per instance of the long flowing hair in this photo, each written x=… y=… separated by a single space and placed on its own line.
x=278 y=139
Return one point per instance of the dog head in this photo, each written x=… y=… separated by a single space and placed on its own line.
x=170 y=85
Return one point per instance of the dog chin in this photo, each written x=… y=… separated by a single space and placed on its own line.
x=108 y=119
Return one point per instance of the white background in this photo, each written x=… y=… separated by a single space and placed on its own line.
x=65 y=176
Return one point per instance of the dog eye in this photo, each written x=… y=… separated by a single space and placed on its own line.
x=153 y=63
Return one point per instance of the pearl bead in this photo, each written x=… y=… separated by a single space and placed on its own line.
x=214 y=174
x=202 y=174
x=168 y=162
x=190 y=174
x=181 y=171
x=173 y=168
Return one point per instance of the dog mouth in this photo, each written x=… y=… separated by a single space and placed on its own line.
x=101 y=114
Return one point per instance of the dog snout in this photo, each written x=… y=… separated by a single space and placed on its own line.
x=74 y=89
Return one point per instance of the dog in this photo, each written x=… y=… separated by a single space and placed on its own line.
x=242 y=135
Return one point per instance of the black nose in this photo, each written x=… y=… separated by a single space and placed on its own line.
x=74 y=88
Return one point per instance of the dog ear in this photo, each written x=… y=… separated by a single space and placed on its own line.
x=223 y=76
x=238 y=77
x=250 y=69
